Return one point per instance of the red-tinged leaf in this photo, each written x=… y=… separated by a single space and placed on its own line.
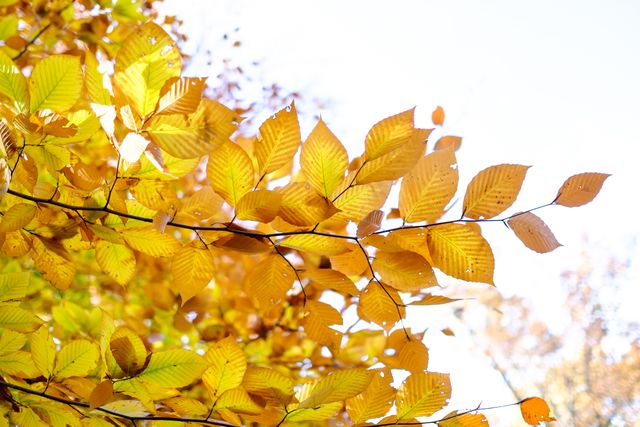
x=580 y=189
x=370 y=223
x=535 y=410
x=533 y=232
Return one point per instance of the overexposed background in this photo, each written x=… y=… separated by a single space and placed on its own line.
x=551 y=84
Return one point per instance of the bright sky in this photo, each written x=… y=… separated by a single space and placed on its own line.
x=551 y=84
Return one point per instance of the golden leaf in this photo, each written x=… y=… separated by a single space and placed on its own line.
x=280 y=138
x=335 y=387
x=429 y=187
x=423 y=394
x=53 y=261
x=323 y=160
x=460 y=251
x=268 y=384
x=405 y=271
x=238 y=401
x=13 y=85
x=370 y=223
x=128 y=350
x=316 y=244
x=101 y=394
x=118 y=261
x=43 y=351
x=318 y=318
x=55 y=83
x=452 y=143
x=375 y=401
x=17 y=216
x=302 y=205
x=227 y=365
x=181 y=95
x=173 y=368
x=389 y=134
x=94 y=80
x=535 y=410
x=230 y=172
x=331 y=279
x=455 y=419
x=270 y=280
x=357 y=201
x=192 y=270
x=493 y=190
x=259 y=205
x=76 y=358
x=580 y=189
x=351 y=263
x=533 y=232
x=150 y=241
x=437 y=116
x=380 y=305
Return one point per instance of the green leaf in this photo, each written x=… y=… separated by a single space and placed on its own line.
x=13 y=85
x=173 y=368
x=18 y=319
x=55 y=83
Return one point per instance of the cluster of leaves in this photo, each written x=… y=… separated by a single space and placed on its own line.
x=155 y=269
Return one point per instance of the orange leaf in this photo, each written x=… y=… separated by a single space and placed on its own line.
x=101 y=394
x=454 y=419
x=493 y=190
x=405 y=271
x=437 y=116
x=370 y=223
x=452 y=143
x=533 y=232
x=331 y=279
x=380 y=305
x=422 y=394
x=580 y=189
x=535 y=410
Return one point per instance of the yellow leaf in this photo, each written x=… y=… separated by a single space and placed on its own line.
x=17 y=216
x=118 y=261
x=150 y=241
x=318 y=318
x=181 y=95
x=331 y=279
x=55 y=83
x=461 y=252
x=147 y=59
x=437 y=116
x=413 y=356
x=280 y=138
x=230 y=172
x=318 y=413
x=316 y=244
x=101 y=394
x=173 y=368
x=227 y=365
x=423 y=394
x=323 y=160
x=380 y=305
x=434 y=300
x=389 y=134
x=413 y=240
x=533 y=232
x=132 y=147
x=192 y=270
x=301 y=205
x=259 y=205
x=452 y=143
x=128 y=350
x=375 y=401
x=335 y=387
x=395 y=163
x=11 y=341
x=405 y=271
x=53 y=261
x=13 y=85
x=76 y=358
x=493 y=190
x=13 y=286
x=270 y=280
x=268 y=384
x=535 y=410
x=455 y=419
x=580 y=189
x=94 y=81
x=357 y=201
x=196 y=134
x=238 y=401
x=19 y=364
x=429 y=187
x=352 y=263
x=186 y=406
x=27 y=418
x=43 y=351
x=5 y=177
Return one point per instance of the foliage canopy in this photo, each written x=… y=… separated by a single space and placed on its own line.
x=156 y=267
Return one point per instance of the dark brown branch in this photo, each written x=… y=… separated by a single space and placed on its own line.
x=131 y=418
x=32 y=41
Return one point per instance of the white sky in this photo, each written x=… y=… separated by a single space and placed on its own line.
x=553 y=84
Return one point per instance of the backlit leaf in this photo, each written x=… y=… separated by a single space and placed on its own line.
x=331 y=279
x=76 y=358
x=316 y=244
x=11 y=341
x=17 y=216
x=370 y=223
x=323 y=160
x=455 y=419
x=268 y=384
x=460 y=251
x=535 y=410
x=19 y=364
x=429 y=187
x=434 y=300
x=181 y=95
x=18 y=319
x=128 y=350
x=147 y=59
x=132 y=146
x=280 y=138
x=238 y=401
x=405 y=271
x=423 y=394
x=173 y=368
x=270 y=280
x=357 y=201
x=101 y=394
x=55 y=83
x=302 y=205
x=336 y=386
x=150 y=241
x=380 y=305
x=389 y=134
x=13 y=85
x=186 y=406
x=533 y=232
x=13 y=286
x=227 y=365
x=259 y=205
x=118 y=261
x=94 y=80
x=493 y=190
x=580 y=189
x=318 y=413
x=375 y=401
x=317 y=320
x=43 y=351
x=53 y=261
x=452 y=143
x=192 y=270
x=230 y=172
x=437 y=116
